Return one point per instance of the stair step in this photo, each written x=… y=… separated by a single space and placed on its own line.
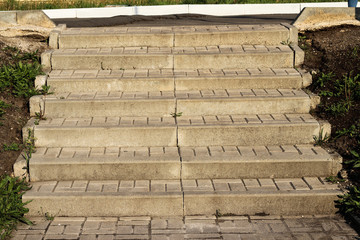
x=241 y=56
x=264 y=129
x=261 y=129
x=296 y=196
x=153 y=163
x=163 y=103
x=173 y=36
x=164 y=79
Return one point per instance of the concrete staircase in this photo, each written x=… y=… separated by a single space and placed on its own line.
x=179 y=120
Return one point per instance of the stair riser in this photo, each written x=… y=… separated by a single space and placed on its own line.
x=107 y=85
x=243 y=106
x=238 y=83
x=145 y=170
x=139 y=108
x=223 y=61
x=253 y=204
x=251 y=134
x=116 y=40
x=172 y=205
x=107 y=62
x=197 y=61
x=257 y=169
x=173 y=40
x=167 y=84
x=105 y=136
x=106 y=205
x=64 y=170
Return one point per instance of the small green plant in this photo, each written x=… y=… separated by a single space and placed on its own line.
x=11 y=147
x=339 y=108
x=218 y=213
x=29 y=147
x=334 y=179
x=353 y=132
x=321 y=139
x=324 y=79
x=176 y=114
x=350 y=201
x=19 y=79
x=287 y=42
x=49 y=217
x=45 y=90
x=12 y=209
x=355 y=162
x=3 y=106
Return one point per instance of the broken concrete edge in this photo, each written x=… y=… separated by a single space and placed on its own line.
x=40 y=81
x=28 y=129
x=54 y=36
x=314 y=100
x=46 y=61
x=337 y=162
x=312 y=18
x=325 y=129
x=20 y=168
x=306 y=76
x=37 y=105
x=31 y=17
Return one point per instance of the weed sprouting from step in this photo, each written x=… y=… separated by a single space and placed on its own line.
x=334 y=179
x=321 y=139
x=175 y=115
x=287 y=42
x=45 y=90
x=29 y=147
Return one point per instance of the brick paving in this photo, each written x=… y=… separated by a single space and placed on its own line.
x=189 y=227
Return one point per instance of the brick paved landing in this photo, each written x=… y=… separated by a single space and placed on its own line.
x=190 y=227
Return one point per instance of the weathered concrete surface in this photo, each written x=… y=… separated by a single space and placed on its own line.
x=32 y=17
x=317 y=18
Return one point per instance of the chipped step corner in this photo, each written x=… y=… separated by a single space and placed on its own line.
x=20 y=168
x=40 y=81
x=325 y=128
x=306 y=76
x=46 y=60
x=314 y=100
x=37 y=105
x=28 y=129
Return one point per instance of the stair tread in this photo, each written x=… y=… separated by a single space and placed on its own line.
x=180 y=94
x=170 y=73
x=260 y=119
x=203 y=186
x=171 y=29
x=234 y=49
